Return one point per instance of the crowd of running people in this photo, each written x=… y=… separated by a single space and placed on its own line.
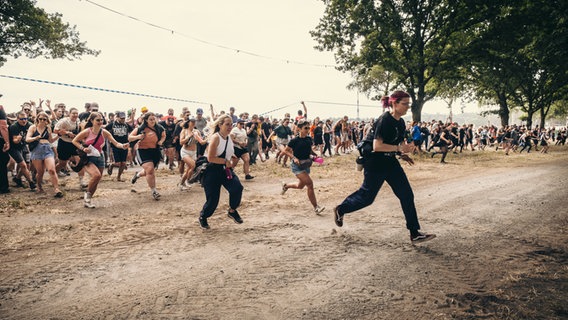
x=42 y=137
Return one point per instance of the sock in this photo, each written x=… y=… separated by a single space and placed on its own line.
x=154 y=190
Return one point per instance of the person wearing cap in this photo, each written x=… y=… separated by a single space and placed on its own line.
x=190 y=138
x=200 y=124
x=240 y=140
x=233 y=115
x=19 y=150
x=184 y=117
x=169 y=124
x=140 y=119
x=119 y=130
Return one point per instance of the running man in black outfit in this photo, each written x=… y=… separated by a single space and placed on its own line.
x=382 y=165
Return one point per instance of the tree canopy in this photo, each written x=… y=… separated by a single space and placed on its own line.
x=418 y=42
x=26 y=30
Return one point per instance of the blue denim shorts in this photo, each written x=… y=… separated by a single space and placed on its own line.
x=97 y=161
x=297 y=170
x=42 y=151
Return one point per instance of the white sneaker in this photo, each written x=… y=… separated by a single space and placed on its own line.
x=318 y=209
x=88 y=203
x=182 y=187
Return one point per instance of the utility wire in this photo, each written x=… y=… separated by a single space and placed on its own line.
x=208 y=42
x=101 y=89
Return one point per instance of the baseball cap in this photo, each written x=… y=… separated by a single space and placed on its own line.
x=199 y=111
x=144 y=109
x=240 y=121
x=120 y=114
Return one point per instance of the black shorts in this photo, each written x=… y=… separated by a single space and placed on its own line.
x=168 y=143
x=417 y=142
x=119 y=155
x=65 y=150
x=17 y=154
x=149 y=155
x=240 y=151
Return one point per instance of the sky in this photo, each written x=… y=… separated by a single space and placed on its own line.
x=193 y=62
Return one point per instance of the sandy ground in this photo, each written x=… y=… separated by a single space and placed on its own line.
x=501 y=251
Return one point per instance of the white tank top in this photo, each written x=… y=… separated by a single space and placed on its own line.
x=221 y=147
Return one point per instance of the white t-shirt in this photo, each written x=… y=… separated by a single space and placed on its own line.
x=240 y=136
x=67 y=125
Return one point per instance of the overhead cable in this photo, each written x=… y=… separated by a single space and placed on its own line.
x=102 y=89
x=250 y=53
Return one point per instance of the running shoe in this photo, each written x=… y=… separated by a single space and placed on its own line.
x=421 y=237
x=18 y=182
x=183 y=187
x=235 y=216
x=32 y=186
x=249 y=177
x=337 y=217
x=135 y=178
x=58 y=194
x=156 y=195
x=203 y=223
x=88 y=203
x=318 y=209
x=284 y=188
x=109 y=169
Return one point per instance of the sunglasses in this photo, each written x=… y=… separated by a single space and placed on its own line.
x=23 y=119
x=304 y=128
x=95 y=110
x=99 y=120
x=27 y=110
x=42 y=119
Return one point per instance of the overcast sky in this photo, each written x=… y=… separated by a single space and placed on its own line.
x=139 y=58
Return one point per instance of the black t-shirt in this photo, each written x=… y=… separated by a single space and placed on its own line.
x=302 y=147
x=17 y=130
x=266 y=128
x=390 y=130
x=119 y=131
x=254 y=133
x=170 y=130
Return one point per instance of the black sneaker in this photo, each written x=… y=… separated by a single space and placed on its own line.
x=235 y=216
x=249 y=177
x=109 y=169
x=135 y=178
x=203 y=223
x=338 y=217
x=421 y=237
x=18 y=182
x=32 y=186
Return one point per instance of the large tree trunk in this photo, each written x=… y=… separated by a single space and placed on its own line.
x=529 y=120
x=417 y=110
x=503 y=111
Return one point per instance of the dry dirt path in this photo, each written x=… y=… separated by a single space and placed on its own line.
x=501 y=252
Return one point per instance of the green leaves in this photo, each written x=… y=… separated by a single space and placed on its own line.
x=26 y=30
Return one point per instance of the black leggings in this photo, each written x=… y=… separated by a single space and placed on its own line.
x=327 y=141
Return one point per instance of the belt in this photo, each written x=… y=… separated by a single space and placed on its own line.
x=388 y=154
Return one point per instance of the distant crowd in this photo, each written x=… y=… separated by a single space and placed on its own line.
x=182 y=138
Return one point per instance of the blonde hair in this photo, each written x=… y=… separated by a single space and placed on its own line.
x=42 y=114
x=216 y=126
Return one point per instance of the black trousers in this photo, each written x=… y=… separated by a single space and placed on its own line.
x=379 y=169
x=215 y=177
x=4 y=159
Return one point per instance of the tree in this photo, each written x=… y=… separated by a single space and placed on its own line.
x=417 y=41
x=520 y=58
x=28 y=30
